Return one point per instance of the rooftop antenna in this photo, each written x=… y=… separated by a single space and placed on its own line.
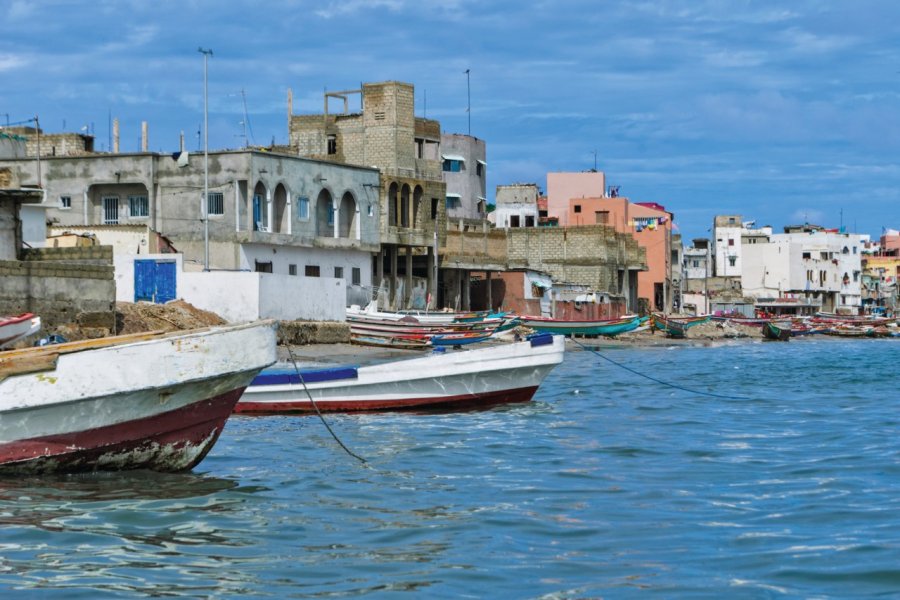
x=424 y=108
x=595 y=161
x=469 y=101
x=246 y=122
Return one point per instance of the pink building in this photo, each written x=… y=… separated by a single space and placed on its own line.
x=562 y=187
x=650 y=224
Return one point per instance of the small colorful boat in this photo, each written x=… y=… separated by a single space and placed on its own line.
x=484 y=376
x=605 y=327
x=779 y=331
x=677 y=327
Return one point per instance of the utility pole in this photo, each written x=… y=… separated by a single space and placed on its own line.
x=205 y=205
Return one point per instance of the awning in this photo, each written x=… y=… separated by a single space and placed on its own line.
x=453 y=157
x=481 y=162
x=453 y=195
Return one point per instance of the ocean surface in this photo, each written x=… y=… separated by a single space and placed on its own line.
x=606 y=485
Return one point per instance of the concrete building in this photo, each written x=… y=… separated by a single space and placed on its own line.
x=726 y=246
x=516 y=205
x=651 y=226
x=384 y=133
x=53 y=144
x=464 y=168
x=563 y=187
x=818 y=267
x=267 y=213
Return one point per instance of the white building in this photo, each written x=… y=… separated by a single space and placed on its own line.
x=726 y=246
x=517 y=205
x=805 y=263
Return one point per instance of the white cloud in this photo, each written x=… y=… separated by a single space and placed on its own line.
x=10 y=62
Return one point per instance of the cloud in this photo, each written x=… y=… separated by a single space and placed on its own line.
x=11 y=62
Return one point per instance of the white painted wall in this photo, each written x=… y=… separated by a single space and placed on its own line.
x=503 y=212
x=124 y=273
x=244 y=296
x=34 y=224
x=325 y=258
x=727 y=245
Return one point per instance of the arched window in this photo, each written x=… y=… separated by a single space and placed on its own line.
x=324 y=214
x=347 y=217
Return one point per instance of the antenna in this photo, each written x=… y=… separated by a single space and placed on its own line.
x=469 y=101
x=246 y=122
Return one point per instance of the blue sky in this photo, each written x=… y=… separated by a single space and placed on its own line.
x=778 y=111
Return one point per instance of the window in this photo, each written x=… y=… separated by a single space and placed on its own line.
x=823 y=255
x=855 y=275
x=452 y=166
x=854 y=249
x=479 y=168
x=578 y=208
x=453 y=201
x=303 y=208
x=601 y=217
x=331 y=216
x=514 y=220
x=732 y=260
x=434 y=208
x=292 y=269
x=111 y=210
x=731 y=242
x=371 y=210
x=806 y=255
x=529 y=220
x=356 y=276
x=66 y=202
x=138 y=206
x=420 y=148
x=311 y=270
x=332 y=144
x=263 y=267
x=696 y=263
x=339 y=272
x=215 y=203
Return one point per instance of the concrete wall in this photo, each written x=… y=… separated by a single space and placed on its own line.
x=241 y=296
x=326 y=259
x=62 y=286
x=34 y=224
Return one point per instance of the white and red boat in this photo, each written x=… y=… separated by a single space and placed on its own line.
x=490 y=375
x=143 y=401
x=15 y=328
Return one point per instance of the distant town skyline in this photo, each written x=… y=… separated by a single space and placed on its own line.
x=780 y=113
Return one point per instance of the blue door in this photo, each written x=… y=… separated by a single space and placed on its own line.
x=154 y=281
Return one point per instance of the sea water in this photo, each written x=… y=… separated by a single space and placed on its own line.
x=786 y=482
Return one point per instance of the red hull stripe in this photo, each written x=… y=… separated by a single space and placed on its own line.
x=463 y=400
x=160 y=442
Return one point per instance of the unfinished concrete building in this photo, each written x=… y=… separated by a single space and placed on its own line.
x=385 y=133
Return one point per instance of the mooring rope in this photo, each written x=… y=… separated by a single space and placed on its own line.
x=319 y=412
x=671 y=385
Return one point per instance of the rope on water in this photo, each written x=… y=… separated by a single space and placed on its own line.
x=316 y=406
x=672 y=385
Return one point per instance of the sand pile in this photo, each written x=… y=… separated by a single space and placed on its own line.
x=173 y=316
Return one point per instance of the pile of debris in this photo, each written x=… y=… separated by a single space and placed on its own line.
x=714 y=330
x=176 y=315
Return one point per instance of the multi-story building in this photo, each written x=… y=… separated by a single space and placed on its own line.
x=726 y=245
x=385 y=133
x=464 y=165
x=563 y=187
x=807 y=263
x=516 y=205
x=265 y=212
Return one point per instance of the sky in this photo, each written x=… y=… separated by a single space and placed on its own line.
x=782 y=112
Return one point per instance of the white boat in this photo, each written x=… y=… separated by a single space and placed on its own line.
x=150 y=401
x=15 y=328
x=490 y=375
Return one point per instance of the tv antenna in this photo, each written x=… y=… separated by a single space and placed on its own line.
x=245 y=123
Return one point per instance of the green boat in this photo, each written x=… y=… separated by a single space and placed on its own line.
x=606 y=327
x=676 y=327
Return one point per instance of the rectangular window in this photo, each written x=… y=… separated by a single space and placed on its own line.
x=529 y=220
x=311 y=270
x=731 y=242
x=696 y=263
x=303 y=208
x=479 y=169
x=263 y=267
x=514 y=220
x=434 y=208
x=452 y=166
x=138 y=206
x=111 y=210
x=292 y=269
x=332 y=144
x=601 y=217
x=732 y=260
x=806 y=255
x=578 y=208
x=453 y=202
x=215 y=203
x=854 y=249
x=420 y=148
x=339 y=272
x=356 y=276
x=66 y=202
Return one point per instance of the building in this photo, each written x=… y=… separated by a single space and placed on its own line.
x=651 y=226
x=808 y=264
x=516 y=205
x=564 y=186
x=384 y=133
x=726 y=246
x=464 y=168
x=267 y=213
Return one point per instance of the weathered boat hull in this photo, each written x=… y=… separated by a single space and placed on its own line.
x=159 y=403
x=773 y=331
x=15 y=328
x=606 y=327
x=502 y=374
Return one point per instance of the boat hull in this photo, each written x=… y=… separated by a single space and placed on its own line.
x=509 y=373
x=606 y=327
x=158 y=403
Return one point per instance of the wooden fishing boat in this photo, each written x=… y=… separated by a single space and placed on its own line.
x=460 y=339
x=485 y=376
x=605 y=327
x=15 y=328
x=405 y=342
x=779 y=331
x=144 y=401
x=677 y=327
